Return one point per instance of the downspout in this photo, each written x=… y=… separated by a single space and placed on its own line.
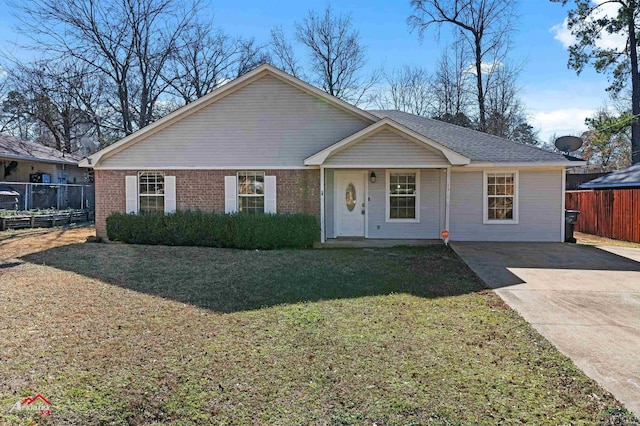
x=322 y=227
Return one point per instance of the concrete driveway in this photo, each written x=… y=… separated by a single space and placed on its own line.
x=584 y=299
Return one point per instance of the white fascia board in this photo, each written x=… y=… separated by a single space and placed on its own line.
x=231 y=167
x=527 y=164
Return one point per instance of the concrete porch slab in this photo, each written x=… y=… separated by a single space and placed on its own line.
x=373 y=243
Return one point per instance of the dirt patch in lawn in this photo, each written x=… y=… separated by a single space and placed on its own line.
x=121 y=334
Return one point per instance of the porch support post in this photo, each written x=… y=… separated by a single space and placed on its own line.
x=322 y=231
x=447 y=203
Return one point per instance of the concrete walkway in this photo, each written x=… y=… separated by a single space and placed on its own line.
x=584 y=299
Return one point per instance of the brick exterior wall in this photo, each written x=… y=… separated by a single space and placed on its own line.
x=298 y=191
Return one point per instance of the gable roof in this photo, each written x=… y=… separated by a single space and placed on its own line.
x=319 y=158
x=625 y=178
x=20 y=149
x=219 y=93
x=479 y=147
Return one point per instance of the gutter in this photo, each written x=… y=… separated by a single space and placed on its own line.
x=610 y=185
x=42 y=160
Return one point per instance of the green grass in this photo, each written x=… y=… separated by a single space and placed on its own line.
x=121 y=334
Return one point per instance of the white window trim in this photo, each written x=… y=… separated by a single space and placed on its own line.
x=238 y=195
x=139 y=194
x=485 y=198
x=387 y=195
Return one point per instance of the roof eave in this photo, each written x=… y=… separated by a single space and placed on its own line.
x=610 y=185
x=535 y=163
x=41 y=160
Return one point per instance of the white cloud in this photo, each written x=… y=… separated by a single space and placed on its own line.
x=485 y=67
x=569 y=121
x=606 y=41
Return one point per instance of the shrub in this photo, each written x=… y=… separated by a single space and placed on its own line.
x=193 y=228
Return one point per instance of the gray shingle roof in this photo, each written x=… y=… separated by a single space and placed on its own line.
x=477 y=146
x=625 y=178
x=12 y=147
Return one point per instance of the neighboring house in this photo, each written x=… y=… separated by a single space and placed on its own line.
x=625 y=178
x=268 y=142
x=20 y=159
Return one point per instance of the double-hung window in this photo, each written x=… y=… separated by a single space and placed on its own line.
x=403 y=195
x=251 y=192
x=500 y=197
x=151 y=192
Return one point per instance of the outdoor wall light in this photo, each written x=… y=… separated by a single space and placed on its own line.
x=372 y=177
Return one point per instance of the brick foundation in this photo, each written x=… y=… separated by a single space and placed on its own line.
x=298 y=191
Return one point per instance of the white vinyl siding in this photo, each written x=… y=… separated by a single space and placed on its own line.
x=387 y=148
x=265 y=124
x=539 y=202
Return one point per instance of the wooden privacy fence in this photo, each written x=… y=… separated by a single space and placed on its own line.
x=611 y=213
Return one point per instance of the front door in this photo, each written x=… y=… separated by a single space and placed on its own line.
x=350 y=203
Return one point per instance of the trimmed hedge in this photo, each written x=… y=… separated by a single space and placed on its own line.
x=194 y=228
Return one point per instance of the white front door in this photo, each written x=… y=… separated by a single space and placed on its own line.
x=350 y=203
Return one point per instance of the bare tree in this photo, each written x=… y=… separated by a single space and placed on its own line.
x=485 y=25
x=407 y=89
x=130 y=42
x=336 y=55
x=504 y=107
x=450 y=87
x=205 y=59
x=59 y=97
x=283 y=53
x=250 y=56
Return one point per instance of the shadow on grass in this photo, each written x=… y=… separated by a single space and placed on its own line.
x=226 y=280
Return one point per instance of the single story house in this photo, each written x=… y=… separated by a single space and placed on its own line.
x=625 y=178
x=269 y=142
x=24 y=161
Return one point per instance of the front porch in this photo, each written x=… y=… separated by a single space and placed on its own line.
x=385 y=182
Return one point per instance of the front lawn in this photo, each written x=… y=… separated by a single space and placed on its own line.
x=121 y=334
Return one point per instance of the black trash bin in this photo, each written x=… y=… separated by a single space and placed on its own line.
x=570 y=218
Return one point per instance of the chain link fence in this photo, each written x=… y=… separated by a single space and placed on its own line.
x=20 y=196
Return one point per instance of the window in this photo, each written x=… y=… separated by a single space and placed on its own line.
x=151 y=192
x=251 y=192
x=403 y=196
x=501 y=198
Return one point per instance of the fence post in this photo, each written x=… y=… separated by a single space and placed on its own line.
x=82 y=197
x=26 y=196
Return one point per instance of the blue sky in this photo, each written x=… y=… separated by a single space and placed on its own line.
x=557 y=99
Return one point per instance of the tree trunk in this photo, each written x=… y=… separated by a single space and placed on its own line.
x=481 y=106
x=635 y=86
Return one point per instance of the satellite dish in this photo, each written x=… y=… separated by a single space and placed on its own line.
x=568 y=143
